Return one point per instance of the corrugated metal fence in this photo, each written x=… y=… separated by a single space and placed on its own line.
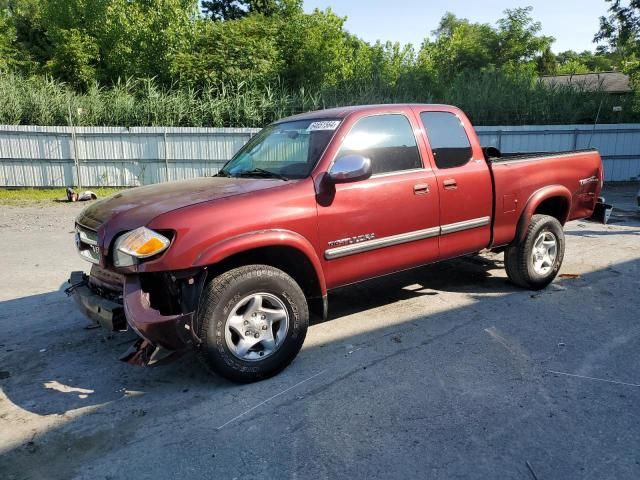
x=114 y=156
x=619 y=144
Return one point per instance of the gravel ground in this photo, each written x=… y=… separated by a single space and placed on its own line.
x=442 y=372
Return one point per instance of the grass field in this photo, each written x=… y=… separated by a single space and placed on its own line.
x=29 y=196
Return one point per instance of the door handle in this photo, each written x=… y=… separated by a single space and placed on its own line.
x=421 y=188
x=450 y=184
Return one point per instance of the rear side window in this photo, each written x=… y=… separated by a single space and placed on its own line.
x=388 y=140
x=448 y=139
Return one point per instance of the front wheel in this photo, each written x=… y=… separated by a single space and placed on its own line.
x=252 y=322
x=535 y=261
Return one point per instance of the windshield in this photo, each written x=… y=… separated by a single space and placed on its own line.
x=284 y=150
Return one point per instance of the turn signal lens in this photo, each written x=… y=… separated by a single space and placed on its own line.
x=142 y=243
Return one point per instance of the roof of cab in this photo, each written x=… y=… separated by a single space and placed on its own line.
x=342 y=112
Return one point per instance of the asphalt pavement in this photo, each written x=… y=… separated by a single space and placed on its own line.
x=447 y=371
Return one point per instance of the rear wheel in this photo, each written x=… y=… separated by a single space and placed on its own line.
x=535 y=261
x=252 y=321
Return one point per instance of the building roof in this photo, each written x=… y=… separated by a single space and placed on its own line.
x=610 y=82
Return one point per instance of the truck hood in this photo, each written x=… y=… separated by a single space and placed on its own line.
x=137 y=207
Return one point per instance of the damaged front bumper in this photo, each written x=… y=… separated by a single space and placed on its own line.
x=106 y=312
x=117 y=307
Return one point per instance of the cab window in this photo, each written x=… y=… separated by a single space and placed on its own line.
x=448 y=139
x=388 y=140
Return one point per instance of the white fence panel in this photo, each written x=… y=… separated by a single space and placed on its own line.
x=116 y=156
x=619 y=144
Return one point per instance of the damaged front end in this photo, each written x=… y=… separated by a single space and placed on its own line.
x=158 y=307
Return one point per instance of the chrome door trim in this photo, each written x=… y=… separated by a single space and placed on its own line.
x=374 y=244
x=464 y=225
x=368 y=245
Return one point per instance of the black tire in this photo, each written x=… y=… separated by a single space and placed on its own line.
x=218 y=300
x=518 y=258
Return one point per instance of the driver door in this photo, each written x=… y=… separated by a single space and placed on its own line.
x=389 y=221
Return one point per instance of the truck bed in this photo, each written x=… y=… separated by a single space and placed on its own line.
x=518 y=176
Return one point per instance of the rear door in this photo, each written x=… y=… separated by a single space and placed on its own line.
x=464 y=184
x=389 y=221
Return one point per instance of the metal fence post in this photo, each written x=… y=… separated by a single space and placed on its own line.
x=166 y=154
x=75 y=149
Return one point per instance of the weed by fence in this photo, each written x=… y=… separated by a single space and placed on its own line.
x=488 y=98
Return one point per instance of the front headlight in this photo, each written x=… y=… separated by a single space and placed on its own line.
x=139 y=243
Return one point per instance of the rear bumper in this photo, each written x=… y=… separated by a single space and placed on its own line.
x=171 y=332
x=602 y=211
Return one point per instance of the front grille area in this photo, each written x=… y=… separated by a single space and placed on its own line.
x=87 y=244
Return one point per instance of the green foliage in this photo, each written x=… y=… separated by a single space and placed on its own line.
x=82 y=41
x=621 y=32
x=573 y=62
x=459 y=45
x=490 y=98
x=228 y=51
x=9 y=52
x=74 y=57
x=621 y=29
x=314 y=49
x=519 y=41
x=547 y=63
x=235 y=9
x=159 y=62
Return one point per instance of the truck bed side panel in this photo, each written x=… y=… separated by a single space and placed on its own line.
x=517 y=180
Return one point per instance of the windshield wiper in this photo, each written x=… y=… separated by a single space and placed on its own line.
x=259 y=172
x=222 y=173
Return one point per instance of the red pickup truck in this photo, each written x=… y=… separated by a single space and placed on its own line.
x=233 y=265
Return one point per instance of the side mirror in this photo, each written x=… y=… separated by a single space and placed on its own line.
x=350 y=168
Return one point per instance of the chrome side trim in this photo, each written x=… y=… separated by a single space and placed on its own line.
x=464 y=225
x=369 y=245
x=338 y=252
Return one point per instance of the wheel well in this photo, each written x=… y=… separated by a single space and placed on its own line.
x=288 y=259
x=556 y=207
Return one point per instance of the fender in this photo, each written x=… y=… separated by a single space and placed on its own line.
x=534 y=202
x=262 y=238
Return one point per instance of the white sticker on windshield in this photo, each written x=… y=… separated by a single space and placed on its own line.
x=324 y=125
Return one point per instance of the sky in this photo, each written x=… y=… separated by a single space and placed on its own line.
x=573 y=23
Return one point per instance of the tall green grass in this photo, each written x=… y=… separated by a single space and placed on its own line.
x=488 y=98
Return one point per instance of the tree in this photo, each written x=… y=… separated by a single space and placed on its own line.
x=224 y=9
x=236 y=9
x=519 y=39
x=230 y=51
x=74 y=57
x=586 y=61
x=315 y=49
x=621 y=29
x=10 y=55
x=460 y=45
x=84 y=41
x=547 y=63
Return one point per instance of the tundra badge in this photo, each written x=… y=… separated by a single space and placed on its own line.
x=351 y=240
